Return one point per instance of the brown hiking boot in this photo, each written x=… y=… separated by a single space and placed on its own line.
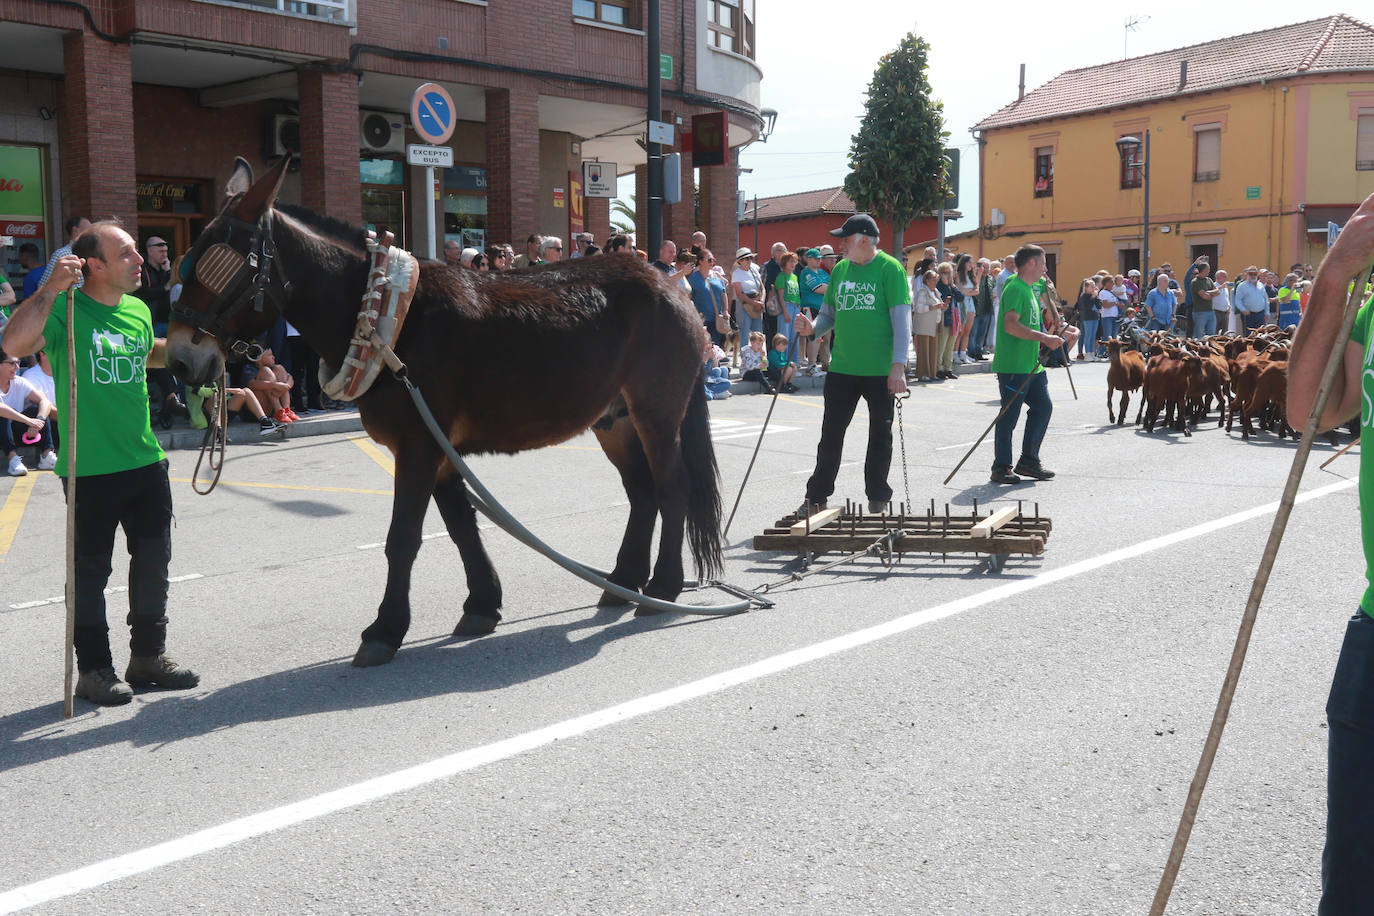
x=159 y=671
x=103 y=688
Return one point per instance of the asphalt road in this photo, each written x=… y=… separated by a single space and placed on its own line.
x=931 y=739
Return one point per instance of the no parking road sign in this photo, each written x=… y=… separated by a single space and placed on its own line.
x=431 y=113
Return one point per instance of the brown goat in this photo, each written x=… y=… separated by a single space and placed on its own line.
x=1126 y=374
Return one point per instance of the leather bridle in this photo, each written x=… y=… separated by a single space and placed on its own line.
x=236 y=280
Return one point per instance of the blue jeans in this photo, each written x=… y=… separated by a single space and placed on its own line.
x=1036 y=397
x=1253 y=320
x=746 y=324
x=789 y=314
x=1109 y=326
x=1154 y=324
x=977 y=338
x=1089 y=338
x=1204 y=322
x=1348 y=859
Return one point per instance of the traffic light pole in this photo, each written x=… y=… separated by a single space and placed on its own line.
x=654 y=209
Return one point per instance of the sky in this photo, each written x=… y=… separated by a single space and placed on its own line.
x=816 y=67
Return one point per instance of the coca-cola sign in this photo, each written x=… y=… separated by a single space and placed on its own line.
x=24 y=230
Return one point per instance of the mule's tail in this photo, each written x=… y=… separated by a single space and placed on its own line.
x=703 y=486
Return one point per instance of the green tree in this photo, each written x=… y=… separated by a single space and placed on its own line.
x=896 y=160
x=623 y=216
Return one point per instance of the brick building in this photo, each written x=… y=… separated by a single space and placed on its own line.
x=137 y=108
x=805 y=218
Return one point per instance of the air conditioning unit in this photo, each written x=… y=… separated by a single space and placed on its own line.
x=381 y=132
x=282 y=136
x=997 y=218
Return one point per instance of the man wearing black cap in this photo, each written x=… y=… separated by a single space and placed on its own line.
x=868 y=302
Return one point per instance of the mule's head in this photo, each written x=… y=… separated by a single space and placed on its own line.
x=233 y=287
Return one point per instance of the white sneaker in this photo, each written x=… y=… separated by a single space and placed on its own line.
x=47 y=461
x=17 y=468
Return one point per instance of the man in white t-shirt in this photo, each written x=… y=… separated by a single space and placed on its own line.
x=23 y=409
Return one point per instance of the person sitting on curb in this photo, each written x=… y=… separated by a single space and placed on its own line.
x=23 y=410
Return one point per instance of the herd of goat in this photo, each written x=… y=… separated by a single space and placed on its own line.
x=1178 y=380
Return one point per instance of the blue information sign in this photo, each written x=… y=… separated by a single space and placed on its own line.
x=431 y=113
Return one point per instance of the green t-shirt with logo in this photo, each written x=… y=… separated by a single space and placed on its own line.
x=1016 y=355
x=1361 y=335
x=862 y=296
x=112 y=347
x=791 y=289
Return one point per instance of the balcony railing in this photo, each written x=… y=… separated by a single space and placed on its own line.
x=329 y=10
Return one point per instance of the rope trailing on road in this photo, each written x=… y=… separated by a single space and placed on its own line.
x=1247 y=623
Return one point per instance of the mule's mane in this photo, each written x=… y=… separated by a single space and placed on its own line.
x=327 y=227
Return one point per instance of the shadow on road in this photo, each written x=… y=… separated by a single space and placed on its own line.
x=423 y=669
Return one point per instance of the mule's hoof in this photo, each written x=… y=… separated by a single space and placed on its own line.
x=474 y=625
x=611 y=600
x=372 y=653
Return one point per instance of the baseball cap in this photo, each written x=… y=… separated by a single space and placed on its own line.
x=813 y=253
x=1132 y=273
x=858 y=224
x=154 y=241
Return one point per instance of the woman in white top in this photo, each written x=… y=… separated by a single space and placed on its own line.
x=1111 y=311
x=746 y=291
x=926 y=307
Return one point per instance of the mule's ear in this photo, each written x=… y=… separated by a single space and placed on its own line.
x=241 y=180
x=263 y=194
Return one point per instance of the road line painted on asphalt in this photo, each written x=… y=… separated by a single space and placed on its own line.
x=370 y=449
x=112 y=590
x=289 y=486
x=309 y=809
x=12 y=512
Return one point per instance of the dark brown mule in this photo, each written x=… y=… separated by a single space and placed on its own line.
x=507 y=362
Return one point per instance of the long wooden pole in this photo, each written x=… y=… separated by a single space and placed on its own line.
x=1247 y=623
x=1348 y=447
x=69 y=447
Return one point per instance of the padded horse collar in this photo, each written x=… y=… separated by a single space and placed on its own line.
x=236 y=279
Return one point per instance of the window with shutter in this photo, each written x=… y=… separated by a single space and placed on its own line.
x=1364 y=144
x=1207 y=154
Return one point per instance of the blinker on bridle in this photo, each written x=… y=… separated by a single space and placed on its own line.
x=236 y=280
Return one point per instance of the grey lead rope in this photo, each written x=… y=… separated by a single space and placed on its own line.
x=485 y=503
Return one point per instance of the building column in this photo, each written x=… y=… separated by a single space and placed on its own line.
x=642 y=205
x=719 y=216
x=330 y=182
x=97 y=130
x=597 y=217
x=512 y=166
x=680 y=219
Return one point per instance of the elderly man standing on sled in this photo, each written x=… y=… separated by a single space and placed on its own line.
x=868 y=305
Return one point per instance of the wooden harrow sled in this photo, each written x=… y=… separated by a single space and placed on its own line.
x=891 y=535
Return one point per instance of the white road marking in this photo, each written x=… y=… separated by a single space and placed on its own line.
x=112 y=590
x=275 y=819
x=752 y=431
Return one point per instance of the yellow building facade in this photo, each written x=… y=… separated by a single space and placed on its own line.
x=1247 y=168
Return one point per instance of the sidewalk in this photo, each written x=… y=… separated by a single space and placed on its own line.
x=316 y=423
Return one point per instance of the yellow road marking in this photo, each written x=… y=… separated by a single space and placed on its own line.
x=288 y=486
x=12 y=512
x=370 y=450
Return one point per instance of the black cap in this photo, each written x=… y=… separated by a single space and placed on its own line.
x=858 y=224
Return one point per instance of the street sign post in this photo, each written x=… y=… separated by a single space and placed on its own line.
x=433 y=117
x=432 y=156
x=598 y=179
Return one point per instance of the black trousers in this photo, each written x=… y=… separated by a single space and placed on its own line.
x=140 y=502
x=304 y=365
x=842 y=394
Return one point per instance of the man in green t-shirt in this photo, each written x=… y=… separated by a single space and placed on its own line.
x=1348 y=859
x=120 y=478
x=1020 y=377
x=868 y=305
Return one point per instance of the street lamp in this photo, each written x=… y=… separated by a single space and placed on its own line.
x=770 y=120
x=1128 y=148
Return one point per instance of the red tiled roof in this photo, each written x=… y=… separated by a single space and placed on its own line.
x=1332 y=44
x=805 y=203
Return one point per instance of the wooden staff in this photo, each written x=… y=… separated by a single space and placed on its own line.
x=1247 y=623
x=69 y=446
x=1348 y=447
